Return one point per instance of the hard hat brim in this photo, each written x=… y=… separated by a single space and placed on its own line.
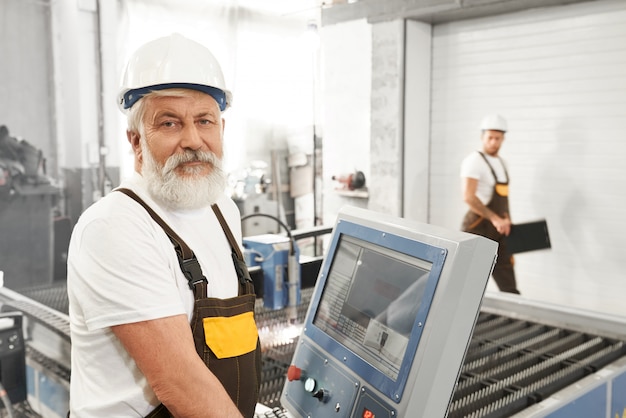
x=131 y=96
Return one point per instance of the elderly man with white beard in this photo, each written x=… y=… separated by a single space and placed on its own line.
x=161 y=302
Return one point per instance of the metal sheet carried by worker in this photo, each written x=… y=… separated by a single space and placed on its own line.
x=529 y=236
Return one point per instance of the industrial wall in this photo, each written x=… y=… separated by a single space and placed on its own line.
x=558 y=76
x=346 y=62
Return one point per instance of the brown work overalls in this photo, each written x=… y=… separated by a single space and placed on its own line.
x=503 y=272
x=224 y=331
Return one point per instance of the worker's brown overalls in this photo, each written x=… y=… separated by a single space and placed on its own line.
x=503 y=272
x=224 y=331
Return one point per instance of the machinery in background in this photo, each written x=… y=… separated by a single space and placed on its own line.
x=250 y=193
x=44 y=335
x=27 y=200
x=20 y=162
x=351 y=181
x=389 y=321
x=259 y=190
x=12 y=361
x=279 y=259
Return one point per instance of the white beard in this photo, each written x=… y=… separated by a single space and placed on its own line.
x=183 y=193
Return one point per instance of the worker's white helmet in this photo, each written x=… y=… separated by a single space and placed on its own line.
x=493 y=123
x=172 y=62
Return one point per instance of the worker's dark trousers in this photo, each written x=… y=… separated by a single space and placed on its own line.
x=503 y=272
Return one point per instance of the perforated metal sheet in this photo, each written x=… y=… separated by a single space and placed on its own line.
x=510 y=365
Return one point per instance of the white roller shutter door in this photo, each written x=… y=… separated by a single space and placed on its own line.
x=559 y=76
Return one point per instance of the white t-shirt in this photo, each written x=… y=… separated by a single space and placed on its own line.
x=122 y=268
x=475 y=167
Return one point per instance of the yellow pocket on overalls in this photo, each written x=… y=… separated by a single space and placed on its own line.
x=231 y=336
x=502 y=189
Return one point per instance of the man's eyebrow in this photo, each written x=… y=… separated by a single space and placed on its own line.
x=171 y=114
x=204 y=114
x=166 y=113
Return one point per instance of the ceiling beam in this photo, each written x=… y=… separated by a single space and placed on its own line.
x=429 y=11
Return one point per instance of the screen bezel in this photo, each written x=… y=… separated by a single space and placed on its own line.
x=389 y=241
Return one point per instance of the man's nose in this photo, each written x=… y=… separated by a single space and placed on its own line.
x=191 y=138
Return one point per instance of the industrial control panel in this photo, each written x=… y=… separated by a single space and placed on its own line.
x=390 y=319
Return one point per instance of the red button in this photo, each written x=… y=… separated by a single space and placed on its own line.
x=294 y=373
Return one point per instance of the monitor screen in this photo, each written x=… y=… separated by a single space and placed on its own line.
x=370 y=301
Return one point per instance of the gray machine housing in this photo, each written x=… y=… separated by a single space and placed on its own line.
x=334 y=379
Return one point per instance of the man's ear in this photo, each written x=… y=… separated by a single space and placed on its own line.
x=133 y=138
x=135 y=142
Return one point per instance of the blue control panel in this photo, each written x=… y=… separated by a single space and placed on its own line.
x=370 y=316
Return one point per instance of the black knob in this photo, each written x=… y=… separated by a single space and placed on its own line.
x=321 y=395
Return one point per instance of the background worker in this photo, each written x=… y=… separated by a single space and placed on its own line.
x=485 y=182
x=134 y=353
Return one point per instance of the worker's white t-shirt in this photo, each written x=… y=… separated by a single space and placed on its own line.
x=475 y=167
x=122 y=268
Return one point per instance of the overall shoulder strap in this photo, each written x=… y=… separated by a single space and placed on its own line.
x=506 y=174
x=186 y=258
x=227 y=231
x=245 y=281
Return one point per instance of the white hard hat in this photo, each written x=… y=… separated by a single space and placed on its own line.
x=172 y=62
x=493 y=123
